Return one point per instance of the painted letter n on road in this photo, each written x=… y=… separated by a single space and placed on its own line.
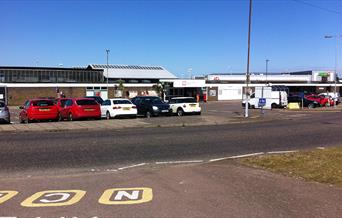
x=54 y=198
x=6 y=195
x=126 y=196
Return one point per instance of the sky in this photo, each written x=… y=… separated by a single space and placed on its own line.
x=206 y=36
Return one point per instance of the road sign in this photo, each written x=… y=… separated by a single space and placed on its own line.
x=262 y=102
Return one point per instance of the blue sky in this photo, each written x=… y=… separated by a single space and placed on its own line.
x=207 y=36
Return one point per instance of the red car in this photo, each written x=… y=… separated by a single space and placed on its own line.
x=80 y=108
x=320 y=99
x=38 y=109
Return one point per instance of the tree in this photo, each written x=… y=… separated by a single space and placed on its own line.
x=159 y=88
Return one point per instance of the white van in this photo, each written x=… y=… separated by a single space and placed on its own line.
x=274 y=99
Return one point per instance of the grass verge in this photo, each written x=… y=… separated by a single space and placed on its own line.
x=323 y=166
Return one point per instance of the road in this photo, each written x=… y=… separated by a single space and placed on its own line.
x=86 y=150
x=96 y=162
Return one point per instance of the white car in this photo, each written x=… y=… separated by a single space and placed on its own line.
x=118 y=107
x=184 y=105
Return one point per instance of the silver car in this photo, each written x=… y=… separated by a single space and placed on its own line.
x=5 y=116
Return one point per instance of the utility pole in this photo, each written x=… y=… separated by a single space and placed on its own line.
x=248 y=58
x=107 y=51
x=267 y=69
x=336 y=37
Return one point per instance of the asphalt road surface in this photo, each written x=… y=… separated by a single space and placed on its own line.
x=65 y=163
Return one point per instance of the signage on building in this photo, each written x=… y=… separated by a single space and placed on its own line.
x=189 y=83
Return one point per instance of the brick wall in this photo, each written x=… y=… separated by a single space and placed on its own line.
x=17 y=96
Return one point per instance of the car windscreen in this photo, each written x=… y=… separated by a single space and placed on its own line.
x=86 y=102
x=42 y=103
x=121 y=102
x=2 y=104
x=156 y=101
x=185 y=100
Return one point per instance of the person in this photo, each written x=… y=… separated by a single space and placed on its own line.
x=197 y=97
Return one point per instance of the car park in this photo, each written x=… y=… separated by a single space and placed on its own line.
x=118 y=107
x=151 y=106
x=303 y=102
x=184 y=105
x=5 y=116
x=37 y=110
x=80 y=108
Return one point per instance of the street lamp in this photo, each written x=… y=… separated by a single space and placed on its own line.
x=107 y=51
x=336 y=62
x=267 y=69
x=248 y=57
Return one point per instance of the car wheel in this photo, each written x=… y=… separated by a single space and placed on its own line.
x=108 y=115
x=70 y=117
x=148 y=114
x=274 y=105
x=180 y=112
x=311 y=106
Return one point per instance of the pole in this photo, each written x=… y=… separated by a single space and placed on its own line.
x=248 y=58
x=336 y=66
x=107 y=51
x=266 y=69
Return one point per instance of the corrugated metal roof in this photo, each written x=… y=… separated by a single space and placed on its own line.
x=134 y=71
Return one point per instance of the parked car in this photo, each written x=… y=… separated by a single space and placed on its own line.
x=5 y=116
x=323 y=101
x=38 y=109
x=118 y=107
x=184 y=105
x=80 y=108
x=151 y=106
x=333 y=95
x=98 y=99
x=306 y=102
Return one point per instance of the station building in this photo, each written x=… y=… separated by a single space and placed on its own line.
x=108 y=81
x=20 y=83
x=232 y=86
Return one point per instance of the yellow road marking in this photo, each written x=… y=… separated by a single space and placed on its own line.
x=6 y=195
x=135 y=196
x=59 y=198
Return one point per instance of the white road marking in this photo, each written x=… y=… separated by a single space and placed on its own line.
x=321 y=148
x=281 y=152
x=136 y=165
x=111 y=170
x=237 y=156
x=180 y=162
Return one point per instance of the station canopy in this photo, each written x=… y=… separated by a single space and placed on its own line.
x=133 y=71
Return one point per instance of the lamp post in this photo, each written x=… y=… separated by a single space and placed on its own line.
x=267 y=69
x=107 y=51
x=248 y=58
x=336 y=62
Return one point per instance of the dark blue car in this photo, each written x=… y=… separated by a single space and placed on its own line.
x=151 y=106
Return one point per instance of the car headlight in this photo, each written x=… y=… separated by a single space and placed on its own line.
x=155 y=108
